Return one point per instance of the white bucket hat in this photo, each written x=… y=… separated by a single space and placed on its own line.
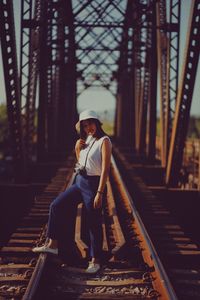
x=86 y=114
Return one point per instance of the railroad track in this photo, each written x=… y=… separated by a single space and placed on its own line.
x=131 y=270
x=19 y=266
x=178 y=252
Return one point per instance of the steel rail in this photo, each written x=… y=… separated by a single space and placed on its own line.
x=151 y=257
x=35 y=278
x=40 y=265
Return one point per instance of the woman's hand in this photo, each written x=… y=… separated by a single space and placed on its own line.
x=79 y=145
x=98 y=201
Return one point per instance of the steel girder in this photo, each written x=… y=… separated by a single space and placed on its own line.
x=124 y=127
x=152 y=100
x=9 y=54
x=145 y=35
x=136 y=98
x=168 y=61
x=145 y=67
x=57 y=89
x=98 y=31
x=174 y=45
x=29 y=62
x=163 y=59
x=184 y=97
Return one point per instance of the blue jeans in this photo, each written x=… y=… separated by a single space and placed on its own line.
x=61 y=224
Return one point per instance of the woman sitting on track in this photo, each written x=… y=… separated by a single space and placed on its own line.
x=93 y=152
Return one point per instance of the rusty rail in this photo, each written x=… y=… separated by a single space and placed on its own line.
x=39 y=268
x=161 y=281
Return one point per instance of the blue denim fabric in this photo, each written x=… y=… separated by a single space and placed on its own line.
x=61 y=224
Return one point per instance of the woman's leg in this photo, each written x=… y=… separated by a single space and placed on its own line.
x=62 y=211
x=96 y=233
x=94 y=217
x=61 y=223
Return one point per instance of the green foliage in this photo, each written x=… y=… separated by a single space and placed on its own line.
x=3 y=111
x=193 y=130
x=158 y=127
x=3 y=123
x=4 y=131
x=108 y=127
x=194 y=127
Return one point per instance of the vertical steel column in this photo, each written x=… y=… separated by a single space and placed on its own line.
x=184 y=97
x=71 y=78
x=55 y=74
x=25 y=44
x=117 y=114
x=151 y=131
x=125 y=107
x=131 y=110
x=163 y=59
x=51 y=63
x=146 y=78
x=123 y=86
x=57 y=108
x=29 y=59
x=137 y=63
x=168 y=61
x=9 y=54
x=126 y=111
x=68 y=83
x=138 y=86
x=141 y=12
x=144 y=98
x=44 y=89
x=174 y=43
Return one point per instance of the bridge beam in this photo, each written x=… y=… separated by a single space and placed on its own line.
x=184 y=97
x=12 y=85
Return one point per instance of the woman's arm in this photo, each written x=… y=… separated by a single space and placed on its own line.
x=106 y=158
x=79 y=145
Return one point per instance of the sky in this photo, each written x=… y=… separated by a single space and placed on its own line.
x=101 y=99
x=96 y=100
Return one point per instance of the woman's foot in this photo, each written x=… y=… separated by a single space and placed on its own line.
x=45 y=249
x=93 y=267
x=50 y=246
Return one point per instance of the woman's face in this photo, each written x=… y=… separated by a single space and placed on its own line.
x=89 y=127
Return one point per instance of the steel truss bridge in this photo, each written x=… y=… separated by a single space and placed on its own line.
x=129 y=47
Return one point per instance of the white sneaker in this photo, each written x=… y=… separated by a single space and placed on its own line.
x=93 y=268
x=45 y=249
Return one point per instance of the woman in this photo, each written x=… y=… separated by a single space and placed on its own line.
x=93 y=152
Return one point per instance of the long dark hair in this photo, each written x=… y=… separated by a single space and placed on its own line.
x=99 y=132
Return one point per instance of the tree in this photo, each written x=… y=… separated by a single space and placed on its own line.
x=194 y=130
x=4 y=130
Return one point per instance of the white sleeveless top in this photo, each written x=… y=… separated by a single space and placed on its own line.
x=94 y=160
